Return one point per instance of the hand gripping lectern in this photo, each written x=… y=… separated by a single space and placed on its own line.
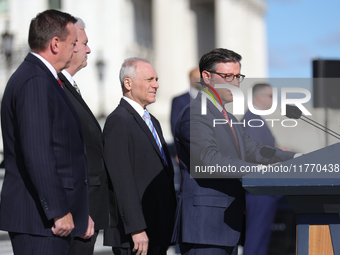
x=311 y=184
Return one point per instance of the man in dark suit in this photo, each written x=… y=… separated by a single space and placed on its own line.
x=260 y=210
x=210 y=212
x=179 y=102
x=139 y=165
x=98 y=179
x=44 y=199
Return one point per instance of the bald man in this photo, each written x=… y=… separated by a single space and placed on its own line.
x=179 y=102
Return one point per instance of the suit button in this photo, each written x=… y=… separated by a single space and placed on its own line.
x=85 y=182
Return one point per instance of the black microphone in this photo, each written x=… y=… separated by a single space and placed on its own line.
x=293 y=112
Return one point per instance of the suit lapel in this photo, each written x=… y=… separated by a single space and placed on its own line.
x=218 y=115
x=143 y=126
x=56 y=84
x=78 y=97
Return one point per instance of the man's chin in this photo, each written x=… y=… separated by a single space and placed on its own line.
x=226 y=103
x=67 y=65
x=153 y=100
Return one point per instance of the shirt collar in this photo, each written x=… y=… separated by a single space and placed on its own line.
x=262 y=116
x=138 y=108
x=68 y=76
x=47 y=64
x=193 y=92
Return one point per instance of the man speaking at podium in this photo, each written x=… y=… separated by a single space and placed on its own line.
x=210 y=212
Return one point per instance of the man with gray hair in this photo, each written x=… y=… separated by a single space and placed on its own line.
x=98 y=179
x=139 y=166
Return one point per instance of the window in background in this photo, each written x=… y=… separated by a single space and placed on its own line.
x=205 y=15
x=3 y=6
x=143 y=23
x=54 y=4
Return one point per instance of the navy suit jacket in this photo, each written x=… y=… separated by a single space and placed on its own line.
x=98 y=177
x=210 y=211
x=260 y=134
x=178 y=103
x=143 y=182
x=45 y=163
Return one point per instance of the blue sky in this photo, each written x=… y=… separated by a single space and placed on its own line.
x=300 y=31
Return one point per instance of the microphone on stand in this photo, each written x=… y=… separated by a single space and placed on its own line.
x=293 y=112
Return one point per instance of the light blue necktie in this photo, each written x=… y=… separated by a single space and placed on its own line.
x=147 y=119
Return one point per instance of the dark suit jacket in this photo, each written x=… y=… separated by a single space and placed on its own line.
x=178 y=103
x=143 y=183
x=45 y=162
x=210 y=211
x=98 y=178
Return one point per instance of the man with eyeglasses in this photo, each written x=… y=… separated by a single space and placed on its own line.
x=211 y=204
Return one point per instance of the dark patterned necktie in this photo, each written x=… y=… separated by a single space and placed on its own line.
x=76 y=88
x=225 y=114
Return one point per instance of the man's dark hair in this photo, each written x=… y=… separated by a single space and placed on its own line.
x=209 y=60
x=47 y=25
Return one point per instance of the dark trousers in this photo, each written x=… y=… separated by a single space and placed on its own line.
x=25 y=244
x=261 y=211
x=83 y=246
x=203 y=249
x=153 y=250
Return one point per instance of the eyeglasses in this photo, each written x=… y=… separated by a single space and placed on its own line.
x=229 y=77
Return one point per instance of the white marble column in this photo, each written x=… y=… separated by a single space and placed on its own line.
x=240 y=26
x=175 y=50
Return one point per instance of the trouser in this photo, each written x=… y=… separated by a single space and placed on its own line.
x=26 y=244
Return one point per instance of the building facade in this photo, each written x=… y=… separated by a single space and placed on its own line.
x=172 y=34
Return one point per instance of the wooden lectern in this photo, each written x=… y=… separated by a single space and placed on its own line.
x=311 y=184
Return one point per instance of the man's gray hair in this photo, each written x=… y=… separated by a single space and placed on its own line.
x=80 y=24
x=128 y=69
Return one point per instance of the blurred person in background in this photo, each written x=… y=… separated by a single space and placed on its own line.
x=179 y=102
